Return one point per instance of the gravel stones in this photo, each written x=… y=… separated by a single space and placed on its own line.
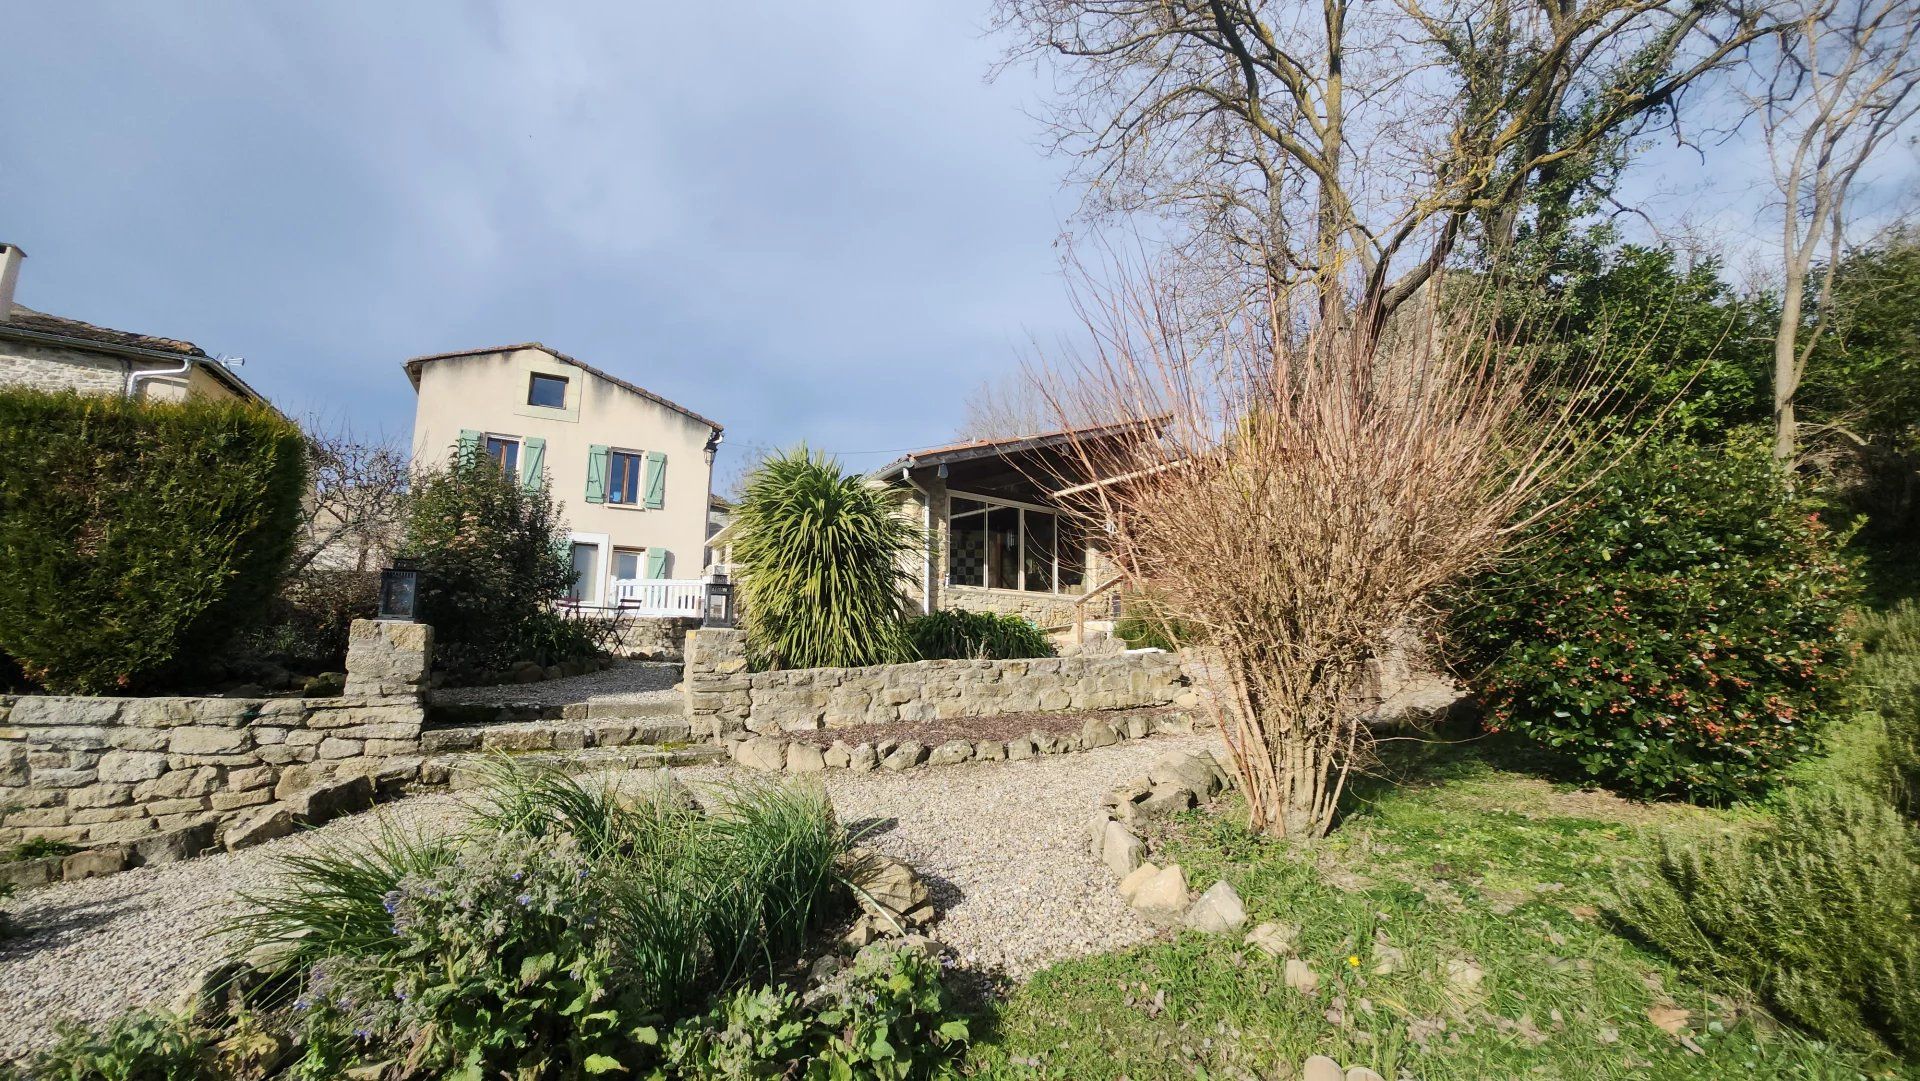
x=996 y=848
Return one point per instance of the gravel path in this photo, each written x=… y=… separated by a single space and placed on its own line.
x=626 y=678
x=1002 y=844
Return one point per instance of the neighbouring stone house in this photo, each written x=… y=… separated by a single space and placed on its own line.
x=631 y=471
x=998 y=536
x=51 y=352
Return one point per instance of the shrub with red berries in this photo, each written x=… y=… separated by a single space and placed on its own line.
x=1679 y=632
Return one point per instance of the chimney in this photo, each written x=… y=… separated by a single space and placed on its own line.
x=10 y=257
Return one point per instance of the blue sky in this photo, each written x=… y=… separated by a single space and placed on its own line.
x=816 y=221
x=813 y=221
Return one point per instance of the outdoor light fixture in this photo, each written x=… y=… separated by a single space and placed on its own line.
x=400 y=591
x=719 y=602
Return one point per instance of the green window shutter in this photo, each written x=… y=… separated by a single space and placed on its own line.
x=597 y=456
x=533 y=462
x=469 y=444
x=656 y=480
x=657 y=562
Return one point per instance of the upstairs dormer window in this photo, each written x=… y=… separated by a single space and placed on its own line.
x=549 y=391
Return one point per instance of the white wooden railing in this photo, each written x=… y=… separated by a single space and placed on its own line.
x=660 y=596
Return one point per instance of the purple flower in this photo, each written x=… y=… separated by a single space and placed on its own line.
x=525 y=899
x=518 y=875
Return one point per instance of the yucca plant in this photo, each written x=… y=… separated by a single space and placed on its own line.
x=822 y=555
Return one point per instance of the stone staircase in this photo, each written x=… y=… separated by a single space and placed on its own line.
x=606 y=732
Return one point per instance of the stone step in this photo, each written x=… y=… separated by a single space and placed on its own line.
x=467 y=771
x=626 y=707
x=525 y=736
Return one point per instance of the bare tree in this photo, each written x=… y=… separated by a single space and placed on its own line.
x=1846 y=81
x=354 y=513
x=1298 y=500
x=1008 y=407
x=1337 y=155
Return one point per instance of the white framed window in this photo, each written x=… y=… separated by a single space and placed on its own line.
x=1005 y=544
x=588 y=554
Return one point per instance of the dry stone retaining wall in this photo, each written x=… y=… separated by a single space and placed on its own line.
x=724 y=698
x=163 y=778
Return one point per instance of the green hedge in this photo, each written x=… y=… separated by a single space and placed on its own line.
x=1680 y=631
x=139 y=536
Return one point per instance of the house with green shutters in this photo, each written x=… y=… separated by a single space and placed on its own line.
x=631 y=471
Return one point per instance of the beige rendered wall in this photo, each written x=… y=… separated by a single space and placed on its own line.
x=488 y=393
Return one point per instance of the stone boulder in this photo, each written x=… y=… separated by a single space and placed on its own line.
x=805 y=758
x=1097 y=733
x=1121 y=849
x=763 y=753
x=1141 y=875
x=1219 y=911
x=328 y=800
x=892 y=897
x=1273 y=939
x=1197 y=772
x=263 y=824
x=863 y=759
x=1162 y=897
x=904 y=756
x=951 y=753
x=1301 y=977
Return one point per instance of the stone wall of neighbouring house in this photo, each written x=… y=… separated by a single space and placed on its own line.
x=723 y=697
x=158 y=776
x=656 y=639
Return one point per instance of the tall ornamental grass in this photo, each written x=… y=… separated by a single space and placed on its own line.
x=823 y=556
x=553 y=936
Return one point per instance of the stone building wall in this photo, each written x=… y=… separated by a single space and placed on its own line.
x=144 y=771
x=653 y=638
x=50 y=368
x=723 y=697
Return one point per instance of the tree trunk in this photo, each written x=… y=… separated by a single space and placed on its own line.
x=1786 y=373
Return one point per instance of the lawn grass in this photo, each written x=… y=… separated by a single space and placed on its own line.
x=1467 y=858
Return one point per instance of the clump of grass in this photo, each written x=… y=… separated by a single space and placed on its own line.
x=37 y=848
x=484 y=948
x=956 y=634
x=1820 y=917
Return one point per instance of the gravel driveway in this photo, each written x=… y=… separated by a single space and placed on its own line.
x=1003 y=845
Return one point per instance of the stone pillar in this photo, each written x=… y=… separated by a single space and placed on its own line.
x=385 y=659
x=716 y=682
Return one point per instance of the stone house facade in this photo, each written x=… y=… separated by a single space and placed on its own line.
x=630 y=470
x=55 y=353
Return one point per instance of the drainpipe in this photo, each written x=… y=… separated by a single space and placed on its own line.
x=926 y=572
x=135 y=376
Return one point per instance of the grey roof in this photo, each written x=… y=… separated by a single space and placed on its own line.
x=414 y=365
x=24 y=323
x=994 y=448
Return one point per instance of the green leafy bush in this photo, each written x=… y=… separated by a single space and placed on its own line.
x=493 y=560
x=821 y=555
x=143 y=1046
x=1678 y=633
x=1820 y=917
x=889 y=1019
x=961 y=635
x=555 y=936
x=139 y=536
x=1891 y=671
